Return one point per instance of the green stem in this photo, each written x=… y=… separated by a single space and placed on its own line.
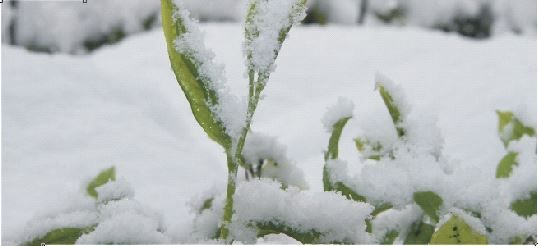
x=236 y=159
x=230 y=191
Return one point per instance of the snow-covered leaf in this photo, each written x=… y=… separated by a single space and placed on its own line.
x=60 y=236
x=102 y=178
x=456 y=231
x=191 y=73
x=525 y=207
x=332 y=150
x=511 y=128
x=384 y=85
x=429 y=202
x=371 y=150
x=507 y=163
x=266 y=26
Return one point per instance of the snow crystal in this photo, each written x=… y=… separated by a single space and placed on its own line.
x=269 y=20
x=115 y=190
x=337 y=218
x=260 y=147
x=342 y=109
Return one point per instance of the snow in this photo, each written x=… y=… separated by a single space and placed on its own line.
x=342 y=109
x=65 y=118
x=263 y=201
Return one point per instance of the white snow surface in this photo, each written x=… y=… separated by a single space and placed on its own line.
x=66 y=117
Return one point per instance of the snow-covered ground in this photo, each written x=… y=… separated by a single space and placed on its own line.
x=67 y=117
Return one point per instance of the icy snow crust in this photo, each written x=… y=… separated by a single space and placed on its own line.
x=127 y=112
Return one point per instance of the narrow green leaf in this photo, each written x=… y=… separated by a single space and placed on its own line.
x=456 y=231
x=102 y=178
x=525 y=207
x=507 y=163
x=511 y=128
x=390 y=237
x=197 y=89
x=60 y=236
x=332 y=152
x=429 y=202
x=394 y=111
x=420 y=233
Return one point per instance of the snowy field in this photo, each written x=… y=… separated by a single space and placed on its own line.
x=66 y=117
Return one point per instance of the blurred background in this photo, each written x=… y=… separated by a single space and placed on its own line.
x=77 y=28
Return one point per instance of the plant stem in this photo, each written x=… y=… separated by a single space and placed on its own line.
x=255 y=89
x=230 y=191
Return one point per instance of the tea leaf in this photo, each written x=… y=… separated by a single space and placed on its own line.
x=511 y=128
x=525 y=207
x=429 y=202
x=102 y=178
x=456 y=231
x=198 y=89
x=507 y=163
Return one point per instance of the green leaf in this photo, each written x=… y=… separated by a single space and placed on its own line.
x=332 y=152
x=390 y=237
x=525 y=207
x=429 y=202
x=456 y=231
x=304 y=236
x=102 y=178
x=60 y=236
x=420 y=233
x=507 y=163
x=197 y=89
x=511 y=128
x=394 y=111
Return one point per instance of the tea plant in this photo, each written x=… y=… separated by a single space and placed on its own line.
x=406 y=191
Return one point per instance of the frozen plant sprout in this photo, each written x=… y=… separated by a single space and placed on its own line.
x=406 y=191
